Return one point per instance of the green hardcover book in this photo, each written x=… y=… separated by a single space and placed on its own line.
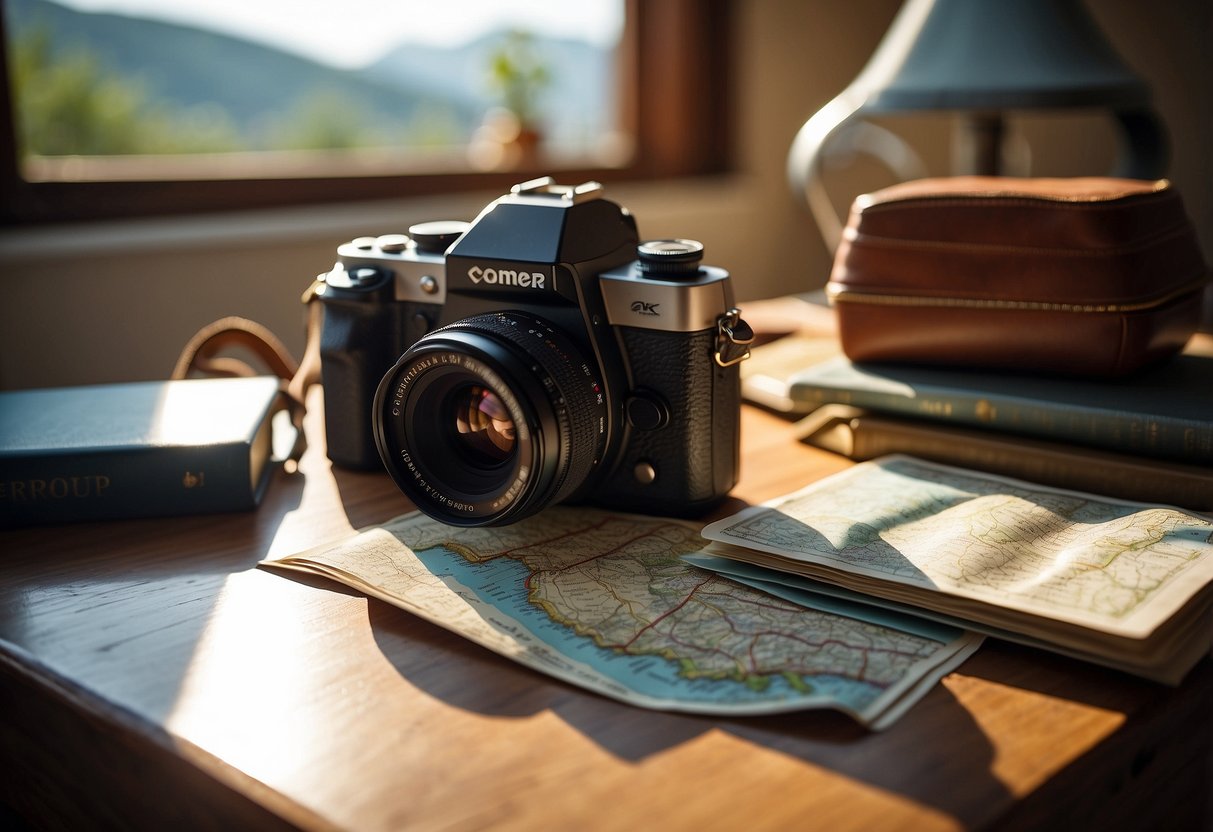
x=134 y=450
x=862 y=435
x=1163 y=412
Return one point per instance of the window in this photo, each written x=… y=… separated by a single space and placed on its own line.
x=657 y=110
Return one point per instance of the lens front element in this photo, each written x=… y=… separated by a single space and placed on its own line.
x=490 y=419
x=484 y=430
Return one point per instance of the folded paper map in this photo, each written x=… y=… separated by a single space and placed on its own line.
x=1127 y=585
x=603 y=600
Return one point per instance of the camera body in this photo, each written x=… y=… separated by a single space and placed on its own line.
x=539 y=354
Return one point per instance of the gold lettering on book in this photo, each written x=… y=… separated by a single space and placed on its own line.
x=192 y=480
x=54 y=488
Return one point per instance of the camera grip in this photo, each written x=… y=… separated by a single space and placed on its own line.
x=357 y=345
x=696 y=453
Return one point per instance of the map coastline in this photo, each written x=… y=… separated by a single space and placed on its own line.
x=604 y=600
x=672 y=673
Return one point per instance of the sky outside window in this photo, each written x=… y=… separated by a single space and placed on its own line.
x=355 y=33
x=132 y=77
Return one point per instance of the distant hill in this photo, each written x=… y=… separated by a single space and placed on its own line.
x=185 y=67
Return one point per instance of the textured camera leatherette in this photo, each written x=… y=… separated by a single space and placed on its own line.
x=355 y=343
x=695 y=452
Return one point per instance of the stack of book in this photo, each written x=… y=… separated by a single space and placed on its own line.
x=1057 y=512
x=1147 y=437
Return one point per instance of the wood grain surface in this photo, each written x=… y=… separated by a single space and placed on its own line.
x=151 y=676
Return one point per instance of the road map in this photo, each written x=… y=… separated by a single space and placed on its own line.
x=605 y=601
x=1114 y=566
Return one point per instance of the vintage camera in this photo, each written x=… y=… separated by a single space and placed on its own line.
x=548 y=356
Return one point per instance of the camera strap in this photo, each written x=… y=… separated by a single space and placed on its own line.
x=733 y=338
x=208 y=354
x=204 y=355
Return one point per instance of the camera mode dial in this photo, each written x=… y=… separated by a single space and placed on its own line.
x=670 y=258
x=436 y=237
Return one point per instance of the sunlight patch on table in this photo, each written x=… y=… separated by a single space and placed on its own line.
x=1022 y=727
x=243 y=695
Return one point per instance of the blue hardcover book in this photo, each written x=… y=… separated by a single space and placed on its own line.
x=134 y=450
x=1165 y=411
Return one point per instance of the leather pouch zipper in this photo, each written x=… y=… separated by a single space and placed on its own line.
x=838 y=293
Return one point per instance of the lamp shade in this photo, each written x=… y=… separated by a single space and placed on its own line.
x=996 y=54
x=980 y=58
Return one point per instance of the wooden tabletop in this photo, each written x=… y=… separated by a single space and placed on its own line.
x=150 y=675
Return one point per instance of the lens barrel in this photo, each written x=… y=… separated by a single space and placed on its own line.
x=490 y=419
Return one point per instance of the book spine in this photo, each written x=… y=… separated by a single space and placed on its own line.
x=1177 y=439
x=1115 y=475
x=124 y=483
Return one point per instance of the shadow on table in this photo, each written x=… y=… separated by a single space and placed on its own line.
x=938 y=741
x=937 y=735
x=368 y=497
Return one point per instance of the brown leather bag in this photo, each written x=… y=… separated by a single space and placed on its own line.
x=1090 y=276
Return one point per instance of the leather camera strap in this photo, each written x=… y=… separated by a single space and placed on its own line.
x=203 y=356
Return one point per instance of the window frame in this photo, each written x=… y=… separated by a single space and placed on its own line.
x=674 y=63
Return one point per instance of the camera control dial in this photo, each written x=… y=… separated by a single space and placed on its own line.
x=670 y=258
x=436 y=237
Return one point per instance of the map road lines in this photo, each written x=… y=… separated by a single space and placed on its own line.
x=606 y=601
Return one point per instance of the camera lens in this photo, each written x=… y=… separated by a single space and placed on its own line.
x=490 y=419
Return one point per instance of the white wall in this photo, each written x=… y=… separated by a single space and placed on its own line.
x=115 y=301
